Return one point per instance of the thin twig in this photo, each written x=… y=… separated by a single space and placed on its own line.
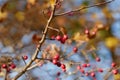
x=82 y=8
x=39 y=45
x=54 y=29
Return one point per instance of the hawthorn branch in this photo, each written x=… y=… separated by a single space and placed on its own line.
x=85 y=7
x=39 y=45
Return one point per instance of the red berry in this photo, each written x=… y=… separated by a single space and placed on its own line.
x=88 y=65
x=92 y=74
x=53 y=37
x=4 y=66
x=75 y=49
x=93 y=33
x=115 y=71
x=12 y=66
x=82 y=71
x=58 y=38
x=54 y=61
x=87 y=32
x=97 y=59
x=64 y=70
x=100 y=70
x=113 y=64
x=58 y=73
x=78 y=67
x=58 y=64
x=65 y=37
x=62 y=40
x=57 y=56
x=86 y=74
x=84 y=65
x=25 y=57
x=57 y=79
x=63 y=66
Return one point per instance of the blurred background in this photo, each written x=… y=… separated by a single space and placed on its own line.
x=20 y=20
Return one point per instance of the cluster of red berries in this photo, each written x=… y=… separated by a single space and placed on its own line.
x=81 y=69
x=114 y=71
x=56 y=61
x=62 y=39
x=89 y=34
x=8 y=67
